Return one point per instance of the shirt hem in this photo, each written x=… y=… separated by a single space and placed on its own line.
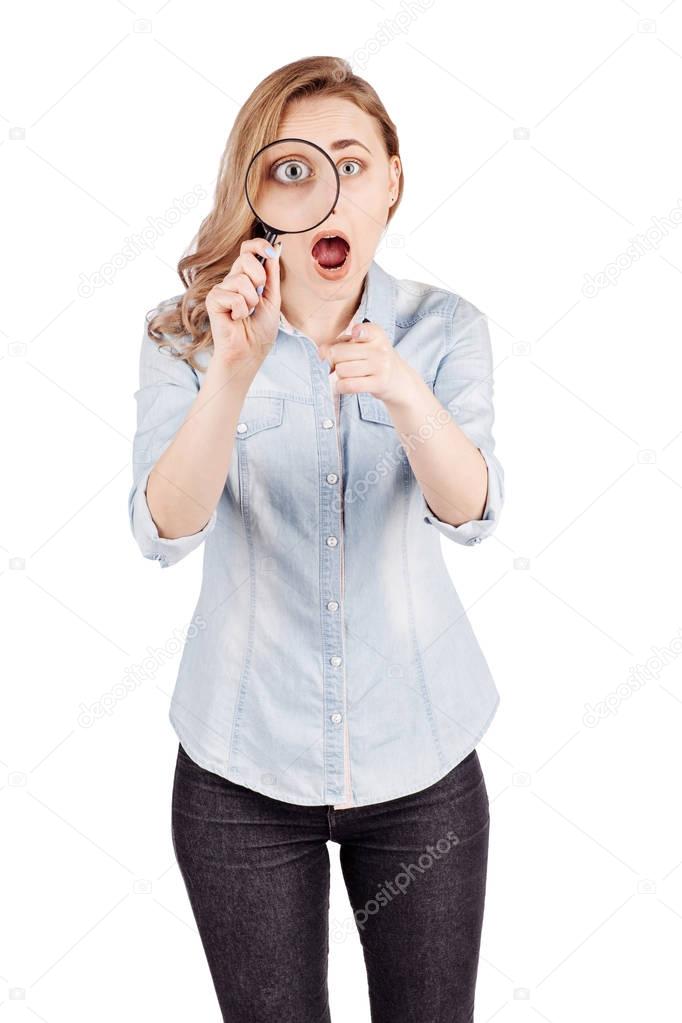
x=219 y=769
x=440 y=774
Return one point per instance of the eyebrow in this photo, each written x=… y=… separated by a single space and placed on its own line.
x=346 y=143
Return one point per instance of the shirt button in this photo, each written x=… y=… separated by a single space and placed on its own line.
x=335 y=660
x=332 y=541
x=332 y=605
x=474 y=539
x=332 y=477
x=327 y=423
x=336 y=717
x=242 y=427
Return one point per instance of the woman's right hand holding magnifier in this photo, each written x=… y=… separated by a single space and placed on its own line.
x=239 y=335
x=190 y=474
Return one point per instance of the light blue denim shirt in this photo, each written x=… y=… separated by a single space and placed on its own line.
x=331 y=660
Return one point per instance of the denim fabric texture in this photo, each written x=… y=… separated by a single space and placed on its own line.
x=330 y=660
x=257 y=875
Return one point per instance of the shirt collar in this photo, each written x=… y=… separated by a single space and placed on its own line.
x=377 y=302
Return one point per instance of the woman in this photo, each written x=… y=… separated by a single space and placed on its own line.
x=319 y=428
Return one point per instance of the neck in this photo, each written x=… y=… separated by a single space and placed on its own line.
x=322 y=321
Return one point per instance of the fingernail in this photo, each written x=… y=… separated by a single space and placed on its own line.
x=270 y=252
x=252 y=311
x=260 y=289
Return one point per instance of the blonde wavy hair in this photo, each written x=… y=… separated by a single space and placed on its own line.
x=218 y=240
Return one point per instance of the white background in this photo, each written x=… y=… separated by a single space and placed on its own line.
x=538 y=139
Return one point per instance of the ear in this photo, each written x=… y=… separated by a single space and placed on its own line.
x=395 y=171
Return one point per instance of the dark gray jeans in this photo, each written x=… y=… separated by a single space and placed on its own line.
x=256 y=870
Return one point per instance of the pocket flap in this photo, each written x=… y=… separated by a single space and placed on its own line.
x=259 y=413
x=373 y=409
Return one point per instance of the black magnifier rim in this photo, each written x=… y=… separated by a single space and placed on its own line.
x=277 y=142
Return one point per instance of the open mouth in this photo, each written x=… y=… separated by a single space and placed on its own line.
x=331 y=252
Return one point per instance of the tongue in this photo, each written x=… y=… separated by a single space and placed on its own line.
x=330 y=252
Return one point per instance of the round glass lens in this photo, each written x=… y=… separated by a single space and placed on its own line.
x=292 y=185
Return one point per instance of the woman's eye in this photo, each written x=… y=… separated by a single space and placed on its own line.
x=350 y=167
x=291 y=171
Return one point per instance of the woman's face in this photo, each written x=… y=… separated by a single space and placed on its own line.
x=368 y=180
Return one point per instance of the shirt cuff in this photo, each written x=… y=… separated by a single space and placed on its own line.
x=476 y=530
x=157 y=548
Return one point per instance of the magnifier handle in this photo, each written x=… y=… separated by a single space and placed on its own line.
x=272 y=237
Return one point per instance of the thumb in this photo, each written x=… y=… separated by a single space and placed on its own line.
x=272 y=278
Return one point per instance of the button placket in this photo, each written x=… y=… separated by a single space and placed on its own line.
x=347 y=795
x=331 y=534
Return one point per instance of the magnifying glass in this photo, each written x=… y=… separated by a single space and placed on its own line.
x=292 y=186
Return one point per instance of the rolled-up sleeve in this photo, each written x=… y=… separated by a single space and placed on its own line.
x=168 y=387
x=464 y=386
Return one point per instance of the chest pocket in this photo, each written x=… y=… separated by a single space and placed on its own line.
x=259 y=413
x=373 y=409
